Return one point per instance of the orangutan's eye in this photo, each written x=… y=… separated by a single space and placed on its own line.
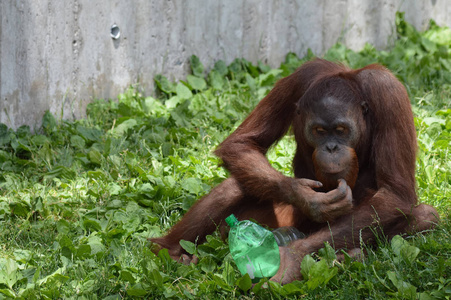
x=320 y=130
x=340 y=130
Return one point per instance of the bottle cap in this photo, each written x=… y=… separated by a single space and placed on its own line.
x=231 y=220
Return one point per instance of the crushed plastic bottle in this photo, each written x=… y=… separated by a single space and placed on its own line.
x=253 y=248
x=285 y=235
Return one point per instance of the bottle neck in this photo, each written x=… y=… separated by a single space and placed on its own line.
x=231 y=220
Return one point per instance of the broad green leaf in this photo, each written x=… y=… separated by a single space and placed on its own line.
x=65 y=242
x=215 y=80
x=431 y=120
x=136 y=290
x=320 y=274
x=114 y=188
x=180 y=118
x=196 y=66
x=444 y=112
x=95 y=157
x=192 y=185
x=445 y=63
x=288 y=60
x=63 y=227
x=20 y=208
x=306 y=265
x=397 y=243
x=172 y=102
x=54 y=279
x=132 y=224
x=91 y=224
x=164 y=84
x=244 y=283
x=9 y=272
x=36 y=275
x=122 y=128
x=197 y=83
x=328 y=253
x=7 y=293
x=38 y=140
x=156 y=278
x=188 y=201
x=251 y=82
x=269 y=77
x=22 y=255
x=89 y=134
x=127 y=110
x=188 y=246
x=153 y=106
x=4 y=135
x=77 y=142
x=228 y=274
x=95 y=242
x=403 y=249
x=207 y=264
x=48 y=122
x=410 y=253
x=128 y=276
x=183 y=92
x=221 y=68
x=83 y=251
x=425 y=296
x=430 y=46
x=405 y=289
x=293 y=288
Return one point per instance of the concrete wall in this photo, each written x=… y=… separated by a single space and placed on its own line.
x=59 y=55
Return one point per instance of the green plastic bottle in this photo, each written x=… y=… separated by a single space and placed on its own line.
x=253 y=248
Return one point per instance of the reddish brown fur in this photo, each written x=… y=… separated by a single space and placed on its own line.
x=383 y=195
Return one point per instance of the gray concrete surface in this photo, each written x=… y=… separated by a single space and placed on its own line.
x=58 y=55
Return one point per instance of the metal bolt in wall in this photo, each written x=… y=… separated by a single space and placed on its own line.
x=115 y=32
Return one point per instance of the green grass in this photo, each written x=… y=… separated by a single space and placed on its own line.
x=79 y=199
